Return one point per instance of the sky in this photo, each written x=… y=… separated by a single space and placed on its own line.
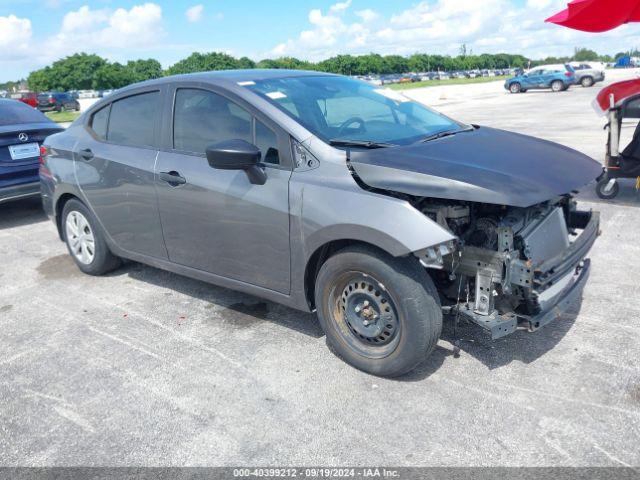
x=33 y=33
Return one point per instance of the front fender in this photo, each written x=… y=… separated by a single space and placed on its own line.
x=350 y=213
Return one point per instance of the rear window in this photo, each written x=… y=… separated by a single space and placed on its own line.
x=133 y=119
x=99 y=122
x=15 y=113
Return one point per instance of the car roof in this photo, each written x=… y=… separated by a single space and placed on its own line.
x=232 y=76
x=551 y=65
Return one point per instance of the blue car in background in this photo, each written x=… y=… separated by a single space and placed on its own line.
x=556 y=77
x=22 y=130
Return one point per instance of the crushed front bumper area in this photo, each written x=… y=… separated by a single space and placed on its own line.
x=547 y=284
x=499 y=325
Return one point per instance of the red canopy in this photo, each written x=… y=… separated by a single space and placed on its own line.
x=620 y=91
x=597 y=15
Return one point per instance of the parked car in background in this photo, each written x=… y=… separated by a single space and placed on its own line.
x=56 y=101
x=556 y=77
x=588 y=73
x=87 y=94
x=242 y=179
x=30 y=98
x=22 y=129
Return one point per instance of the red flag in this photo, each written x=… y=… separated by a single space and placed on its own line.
x=597 y=15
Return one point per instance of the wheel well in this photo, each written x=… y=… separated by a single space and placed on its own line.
x=321 y=255
x=64 y=198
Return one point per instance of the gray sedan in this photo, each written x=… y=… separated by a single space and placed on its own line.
x=326 y=194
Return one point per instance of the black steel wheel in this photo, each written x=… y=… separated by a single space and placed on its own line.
x=380 y=313
x=366 y=314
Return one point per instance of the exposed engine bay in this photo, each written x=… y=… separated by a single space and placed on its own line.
x=510 y=267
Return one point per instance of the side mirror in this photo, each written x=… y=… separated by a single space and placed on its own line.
x=237 y=155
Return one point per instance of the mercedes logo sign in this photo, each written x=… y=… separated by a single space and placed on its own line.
x=23 y=137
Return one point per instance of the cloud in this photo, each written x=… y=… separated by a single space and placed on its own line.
x=367 y=15
x=340 y=7
x=104 y=29
x=539 y=4
x=15 y=36
x=194 y=14
x=441 y=26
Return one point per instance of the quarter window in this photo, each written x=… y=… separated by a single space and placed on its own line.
x=99 y=122
x=267 y=142
x=133 y=118
x=202 y=118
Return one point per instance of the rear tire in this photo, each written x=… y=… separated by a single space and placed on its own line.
x=587 y=82
x=85 y=240
x=380 y=314
x=607 y=193
x=515 y=87
x=557 y=86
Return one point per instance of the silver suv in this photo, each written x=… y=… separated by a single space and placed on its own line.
x=588 y=73
x=326 y=194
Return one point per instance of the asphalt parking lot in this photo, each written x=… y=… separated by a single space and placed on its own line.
x=144 y=367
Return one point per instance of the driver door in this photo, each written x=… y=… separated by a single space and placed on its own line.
x=534 y=79
x=216 y=220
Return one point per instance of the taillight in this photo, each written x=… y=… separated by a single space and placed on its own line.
x=568 y=74
x=44 y=151
x=52 y=99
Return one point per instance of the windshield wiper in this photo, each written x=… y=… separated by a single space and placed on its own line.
x=337 y=142
x=446 y=133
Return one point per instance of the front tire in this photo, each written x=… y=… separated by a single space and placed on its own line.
x=85 y=240
x=515 y=87
x=380 y=314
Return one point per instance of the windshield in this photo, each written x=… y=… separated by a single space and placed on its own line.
x=14 y=112
x=341 y=108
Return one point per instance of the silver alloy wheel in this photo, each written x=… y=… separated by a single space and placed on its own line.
x=557 y=86
x=80 y=237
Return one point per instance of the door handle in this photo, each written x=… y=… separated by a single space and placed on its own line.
x=86 y=154
x=172 y=178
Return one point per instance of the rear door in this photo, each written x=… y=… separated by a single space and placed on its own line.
x=114 y=162
x=217 y=220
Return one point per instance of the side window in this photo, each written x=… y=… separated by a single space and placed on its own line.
x=133 y=118
x=267 y=142
x=202 y=118
x=99 y=122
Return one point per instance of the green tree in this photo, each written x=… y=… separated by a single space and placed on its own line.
x=112 y=75
x=246 y=63
x=74 y=72
x=584 y=54
x=141 y=70
x=204 y=62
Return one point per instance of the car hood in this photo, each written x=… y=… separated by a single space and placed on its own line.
x=484 y=165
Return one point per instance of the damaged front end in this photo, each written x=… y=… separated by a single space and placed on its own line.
x=519 y=258
x=511 y=267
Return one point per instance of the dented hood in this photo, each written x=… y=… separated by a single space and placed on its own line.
x=484 y=165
